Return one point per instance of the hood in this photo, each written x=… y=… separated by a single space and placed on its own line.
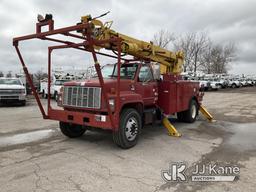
x=109 y=83
x=4 y=86
x=95 y=82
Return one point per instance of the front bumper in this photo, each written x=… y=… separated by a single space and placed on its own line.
x=12 y=97
x=81 y=118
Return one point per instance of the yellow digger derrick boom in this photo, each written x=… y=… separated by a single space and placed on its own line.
x=170 y=62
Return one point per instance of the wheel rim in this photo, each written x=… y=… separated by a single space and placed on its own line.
x=193 y=111
x=131 y=128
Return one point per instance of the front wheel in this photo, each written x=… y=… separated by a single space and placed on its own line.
x=71 y=130
x=129 y=129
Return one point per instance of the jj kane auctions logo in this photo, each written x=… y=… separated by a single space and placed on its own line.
x=177 y=172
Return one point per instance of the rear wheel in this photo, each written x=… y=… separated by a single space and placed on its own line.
x=180 y=116
x=71 y=130
x=189 y=116
x=130 y=127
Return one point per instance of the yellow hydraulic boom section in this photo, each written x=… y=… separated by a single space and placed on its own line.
x=170 y=62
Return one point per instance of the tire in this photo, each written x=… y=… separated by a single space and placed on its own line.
x=190 y=115
x=233 y=86
x=129 y=129
x=71 y=130
x=55 y=96
x=43 y=94
x=180 y=116
x=23 y=103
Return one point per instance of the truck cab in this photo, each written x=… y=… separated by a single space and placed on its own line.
x=138 y=86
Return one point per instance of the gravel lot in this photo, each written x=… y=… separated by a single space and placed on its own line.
x=35 y=156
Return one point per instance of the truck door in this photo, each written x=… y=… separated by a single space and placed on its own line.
x=146 y=86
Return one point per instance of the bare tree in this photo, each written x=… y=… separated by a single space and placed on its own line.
x=230 y=54
x=40 y=75
x=199 y=51
x=1 y=74
x=163 y=38
x=198 y=47
x=184 y=43
x=193 y=46
x=217 y=58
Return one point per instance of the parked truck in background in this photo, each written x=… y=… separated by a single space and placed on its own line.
x=12 y=90
x=234 y=83
x=55 y=87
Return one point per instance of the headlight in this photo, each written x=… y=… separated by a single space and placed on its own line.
x=112 y=103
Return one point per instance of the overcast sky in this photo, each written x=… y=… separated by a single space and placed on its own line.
x=224 y=20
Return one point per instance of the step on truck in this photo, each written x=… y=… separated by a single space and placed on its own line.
x=122 y=97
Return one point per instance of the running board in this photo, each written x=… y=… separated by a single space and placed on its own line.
x=206 y=114
x=172 y=131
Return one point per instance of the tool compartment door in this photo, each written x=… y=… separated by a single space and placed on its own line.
x=174 y=96
x=183 y=95
x=186 y=90
x=167 y=96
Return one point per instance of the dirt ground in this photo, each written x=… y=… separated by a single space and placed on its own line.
x=35 y=156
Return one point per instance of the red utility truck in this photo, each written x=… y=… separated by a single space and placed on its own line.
x=124 y=96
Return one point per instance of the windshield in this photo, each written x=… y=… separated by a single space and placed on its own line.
x=126 y=71
x=107 y=71
x=10 y=82
x=60 y=82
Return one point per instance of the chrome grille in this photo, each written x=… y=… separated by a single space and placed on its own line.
x=10 y=91
x=76 y=96
x=9 y=97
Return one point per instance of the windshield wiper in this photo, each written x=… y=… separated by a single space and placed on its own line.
x=112 y=75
